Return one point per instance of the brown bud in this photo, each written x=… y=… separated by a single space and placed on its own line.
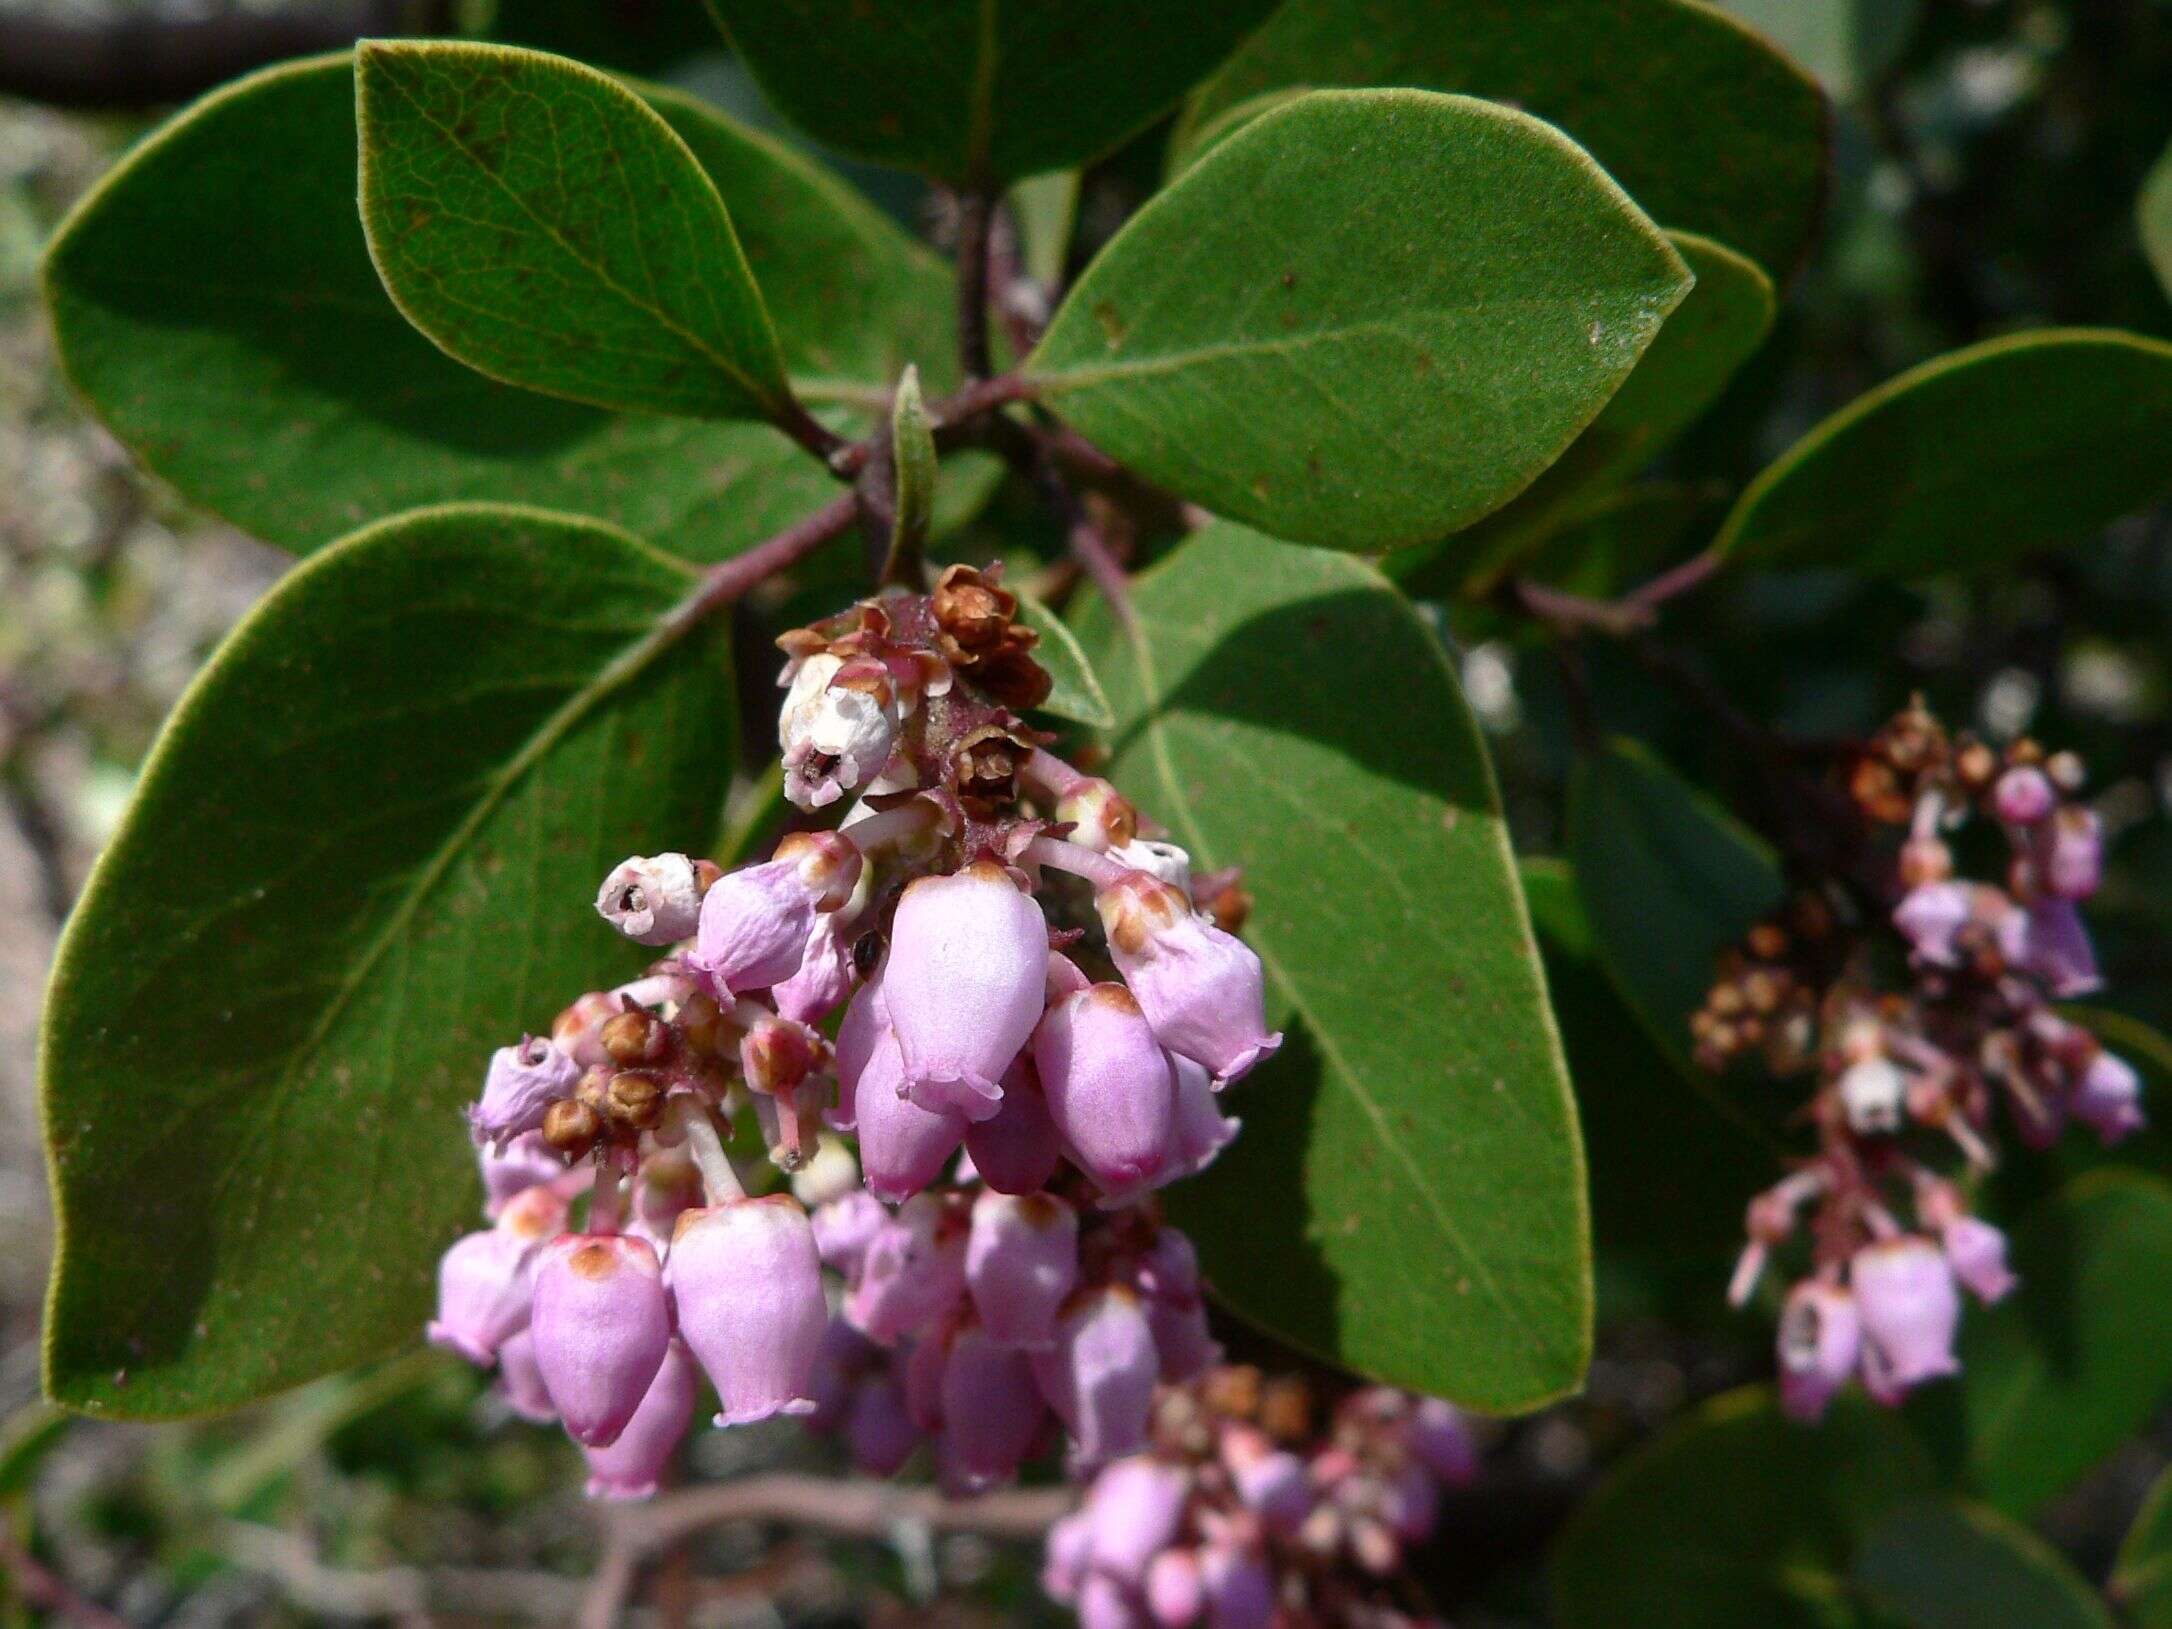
x=1011 y=676
x=1767 y=941
x=985 y=767
x=571 y=1127
x=635 y=1099
x=974 y=612
x=1975 y=766
x=634 y=1038
x=1234 y=1390
x=1285 y=1409
x=705 y=1027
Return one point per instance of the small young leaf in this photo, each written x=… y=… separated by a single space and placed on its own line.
x=360 y=857
x=1668 y=879
x=1046 y=210
x=1407 y=1197
x=1735 y=1516
x=215 y=303
x=912 y=455
x=1939 y=1565
x=2153 y=216
x=1701 y=121
x=540 y=222
x=1368 y=318
x=980 y=91
x=2142 y=1578
x=1075 y=692
x=2076 y=1359
x=1973 y=460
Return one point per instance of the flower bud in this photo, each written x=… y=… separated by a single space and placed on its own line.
x=1441 y=1438
x=1016 y=1150
x=963 y=985
x=878 y=1430
x=634 y=1037
x=520 y=1379
x=654 y=900
x=746 y=1282
x=2023 y=796
x=776 y=1055
x=1819 y=1342
x=914 y=1273
x=570 y=1128
x=992 y=1408
x=601 y=1326
x=1110 y=1089
x=1201 y=989
x=1164 y=862
x=2108 y=1097
x=1905 y=1295
x=523 y=1163
x=630 y=1467
x=837 y=728
x=903 y=1147
x=1240 y=1589
x=667 y=1185
x=1873 y=1092
x=832 y=1174
x=634 y=1101
x=520 y=1085
x=2070 y=853
x=1133 y=1511
x=1102 y=818
x=756 y=921
x=1976 y=1251
x=1271 y=1482
x=1175 y=1593
x=1021 y=1262
x=1099 y=1376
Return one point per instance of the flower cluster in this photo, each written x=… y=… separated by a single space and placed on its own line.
x=1237 y=1515
x=984 y=962
x=1903 y=1071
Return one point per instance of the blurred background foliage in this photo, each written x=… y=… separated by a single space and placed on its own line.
x=1988 y=156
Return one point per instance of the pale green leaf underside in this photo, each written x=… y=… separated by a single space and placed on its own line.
x=360 y=857
x=1945 y=1565
x=1366 y=319
x=1407 y=1197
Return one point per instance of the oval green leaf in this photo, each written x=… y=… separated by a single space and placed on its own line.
x=980 y=91
x=1367 y=318
x=2142 y=1578
x=2076 y=1359
x=1704 y=124
x=539 y=222
x=1735 y=1516
x=1075 y=690
x=1939 y=1565
x=1669 y=880
x=1972 y=461
x=2153 y=215
x=1846 y=44
x=360 y=857
x=215 y=304
x=1407 y=1198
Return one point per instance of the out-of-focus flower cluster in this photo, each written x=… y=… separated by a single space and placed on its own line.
x=1242 y=1513
x=1916 y=1039
x=1020 y=983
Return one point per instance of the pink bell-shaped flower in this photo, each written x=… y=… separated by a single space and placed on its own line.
x=1931 y=917
x=1065 y=1557
x=2108 y=1097
x=1099 y=1377
x=746 y=1282
x=1240 y=1589
x=859 y=1033
x=1176 y=1595
x=903 y=1146
x=1271 y=1482
x=1201 y=989
x=1441 y=1438
x=521 y=1083
x=520 y=1379
x=756 y=921
x=1910 y=1308
x=630 y=1467
x=991 y=1405
x=845 y=1227
x=1133 y=1511
x=1199 y=1130
x=653 y=899
x=523 y=1163
x=2052 y=946
x=914 y=1274
x=1110 y=1089
x=963 y=985
x=825 y=972
x=601 y=1326
x=1819 y=1344
x=879 y=1430
x=486 y=1281
x=2023 y=796
x=1016 y=1150
x=2070 y=853
x=1976 y=1251
x=1021 y=1263
x=1106 y=1603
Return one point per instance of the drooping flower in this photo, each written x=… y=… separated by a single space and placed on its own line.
x=1110 y=1089
x=1201 y=989
x=756 y=922
x=1099 y=1375
x=522 y=1082
x=629 y=1467
x=963 y=985
x=653 y=899
x=601 y=1328
x=746 y=1283
x=1910 y=1309
x=1021 y=1262
x=1820 y=1341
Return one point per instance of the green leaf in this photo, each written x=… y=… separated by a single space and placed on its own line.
x=2142 y=1577
x=1702 y=122
x=541 y=223
x=1736 y=1516
x=1973 y=460
x=1407 y=1198
x=215 y=303
x=1669 y=880
x=980 y=91
x=1951 y=1566
x=912 y=456
x=2076 y=1359
x=1075 y=692
x=1046 y=210
x=360 y=857
x=1710 y=335
x=1638 y=1119
x=1847 y=44
x=2153 y=215
x=1368 y=318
